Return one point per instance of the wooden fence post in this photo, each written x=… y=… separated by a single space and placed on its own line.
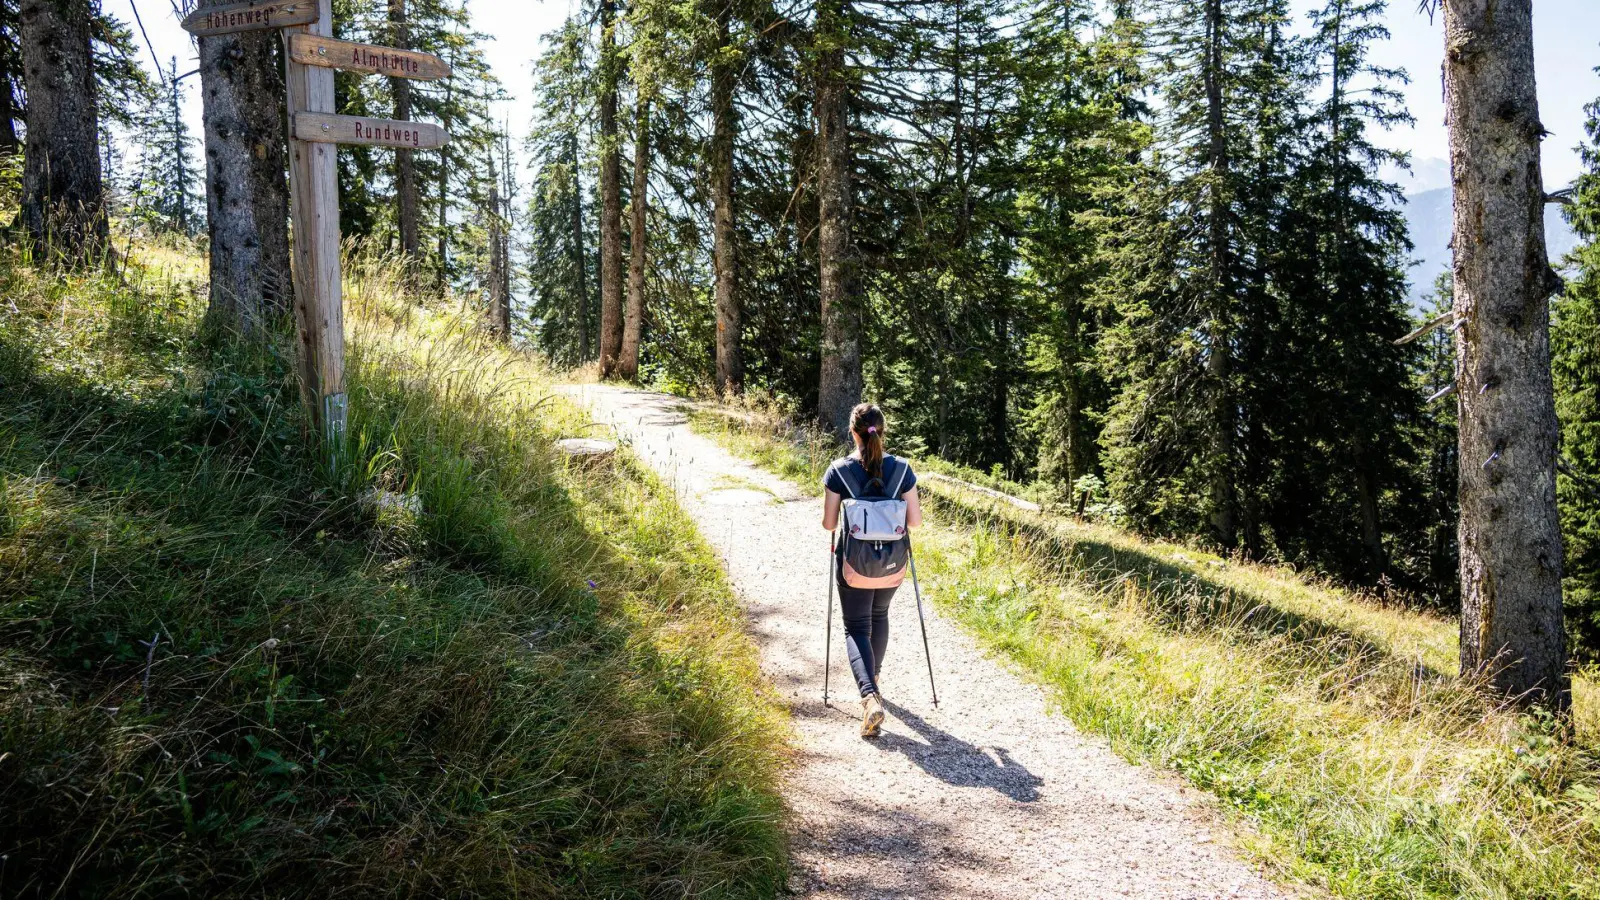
x=314 y=213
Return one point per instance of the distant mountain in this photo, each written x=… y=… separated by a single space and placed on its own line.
x=1428 y=220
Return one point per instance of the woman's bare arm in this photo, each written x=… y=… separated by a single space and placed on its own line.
x=830 y=511
x=913 y=508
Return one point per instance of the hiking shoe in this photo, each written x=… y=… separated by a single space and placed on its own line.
x=871 y=715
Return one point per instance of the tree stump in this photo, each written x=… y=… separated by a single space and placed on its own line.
x=587 y=451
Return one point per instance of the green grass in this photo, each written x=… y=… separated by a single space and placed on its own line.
x=1330 y=723
x=535 y=684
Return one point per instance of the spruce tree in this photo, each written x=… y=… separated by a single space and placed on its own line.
x=167 y=194
x=1188 y=270
x=1079 y=126
x=611 y=275
x=1575 y=357
x=1342 y=400
x=561 y=271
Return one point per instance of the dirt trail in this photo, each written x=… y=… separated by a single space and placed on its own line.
x=987 y=796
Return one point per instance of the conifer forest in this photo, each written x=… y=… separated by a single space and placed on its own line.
x=1141 y=253
x=336 y=555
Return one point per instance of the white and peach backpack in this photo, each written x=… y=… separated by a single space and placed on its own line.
x=876 y=544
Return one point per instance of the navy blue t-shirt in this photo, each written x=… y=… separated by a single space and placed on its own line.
x=851 y=468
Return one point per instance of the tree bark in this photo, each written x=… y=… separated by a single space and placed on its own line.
x=639 y=207
x=407 y=200
x=1510 y=537
x=730 y=326
x=840 y=385
x=247 y=193
x=610 y=197
x=499 y=293
x=63 y=201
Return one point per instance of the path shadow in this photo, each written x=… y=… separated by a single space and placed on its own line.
x=959 y=763
x=859 y=852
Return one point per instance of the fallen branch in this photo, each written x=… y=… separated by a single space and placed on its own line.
x=1018 y=502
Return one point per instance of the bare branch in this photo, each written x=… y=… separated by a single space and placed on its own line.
x=1436 y=322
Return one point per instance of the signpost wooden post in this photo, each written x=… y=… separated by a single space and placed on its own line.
x=314 y=133
x=314 y=214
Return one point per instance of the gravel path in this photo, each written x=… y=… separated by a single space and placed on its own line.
x=987 y=796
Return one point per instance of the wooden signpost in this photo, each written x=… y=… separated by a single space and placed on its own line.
x=251 y=16
x=314 y=133
x=313 y=50
x=325 y=129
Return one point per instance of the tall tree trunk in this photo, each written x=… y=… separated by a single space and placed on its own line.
x=499 y=293
x=407 y=201
x=1510 y=533
x=610 y=197
x=840 y=385
x=730 y=324
x=639 y=209
x=63 y=201
x=247 y=193
x=1377 y=562
x=1000 y=426
x=444 y=185
x=584 y=354
x=1219 y=368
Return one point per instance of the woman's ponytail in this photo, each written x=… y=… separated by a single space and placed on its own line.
x=866 y=423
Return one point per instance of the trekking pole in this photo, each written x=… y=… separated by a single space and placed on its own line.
x=917 y=589
x=827 y=647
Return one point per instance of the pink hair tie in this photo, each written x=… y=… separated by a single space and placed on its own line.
x=873 y=429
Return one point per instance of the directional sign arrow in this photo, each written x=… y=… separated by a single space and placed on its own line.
x=255 y=15
x=329 y=129
x=314 y=50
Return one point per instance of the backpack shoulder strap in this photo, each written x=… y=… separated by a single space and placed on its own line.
x=895 y=494
x=844 y=476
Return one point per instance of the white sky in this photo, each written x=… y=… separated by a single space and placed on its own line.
x=1566 y=48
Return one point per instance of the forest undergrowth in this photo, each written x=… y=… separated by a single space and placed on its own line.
x=1330 y=722
x=444 y=662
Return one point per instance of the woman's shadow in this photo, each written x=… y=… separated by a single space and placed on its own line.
x=956 y=762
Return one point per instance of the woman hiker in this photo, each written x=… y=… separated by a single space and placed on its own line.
x=867 y=474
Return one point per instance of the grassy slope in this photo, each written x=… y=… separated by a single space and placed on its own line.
x=1331 y=724
x=346 y=700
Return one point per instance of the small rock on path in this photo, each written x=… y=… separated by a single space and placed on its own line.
x=988 y=796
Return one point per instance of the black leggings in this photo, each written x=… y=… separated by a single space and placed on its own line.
x=866 y=631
